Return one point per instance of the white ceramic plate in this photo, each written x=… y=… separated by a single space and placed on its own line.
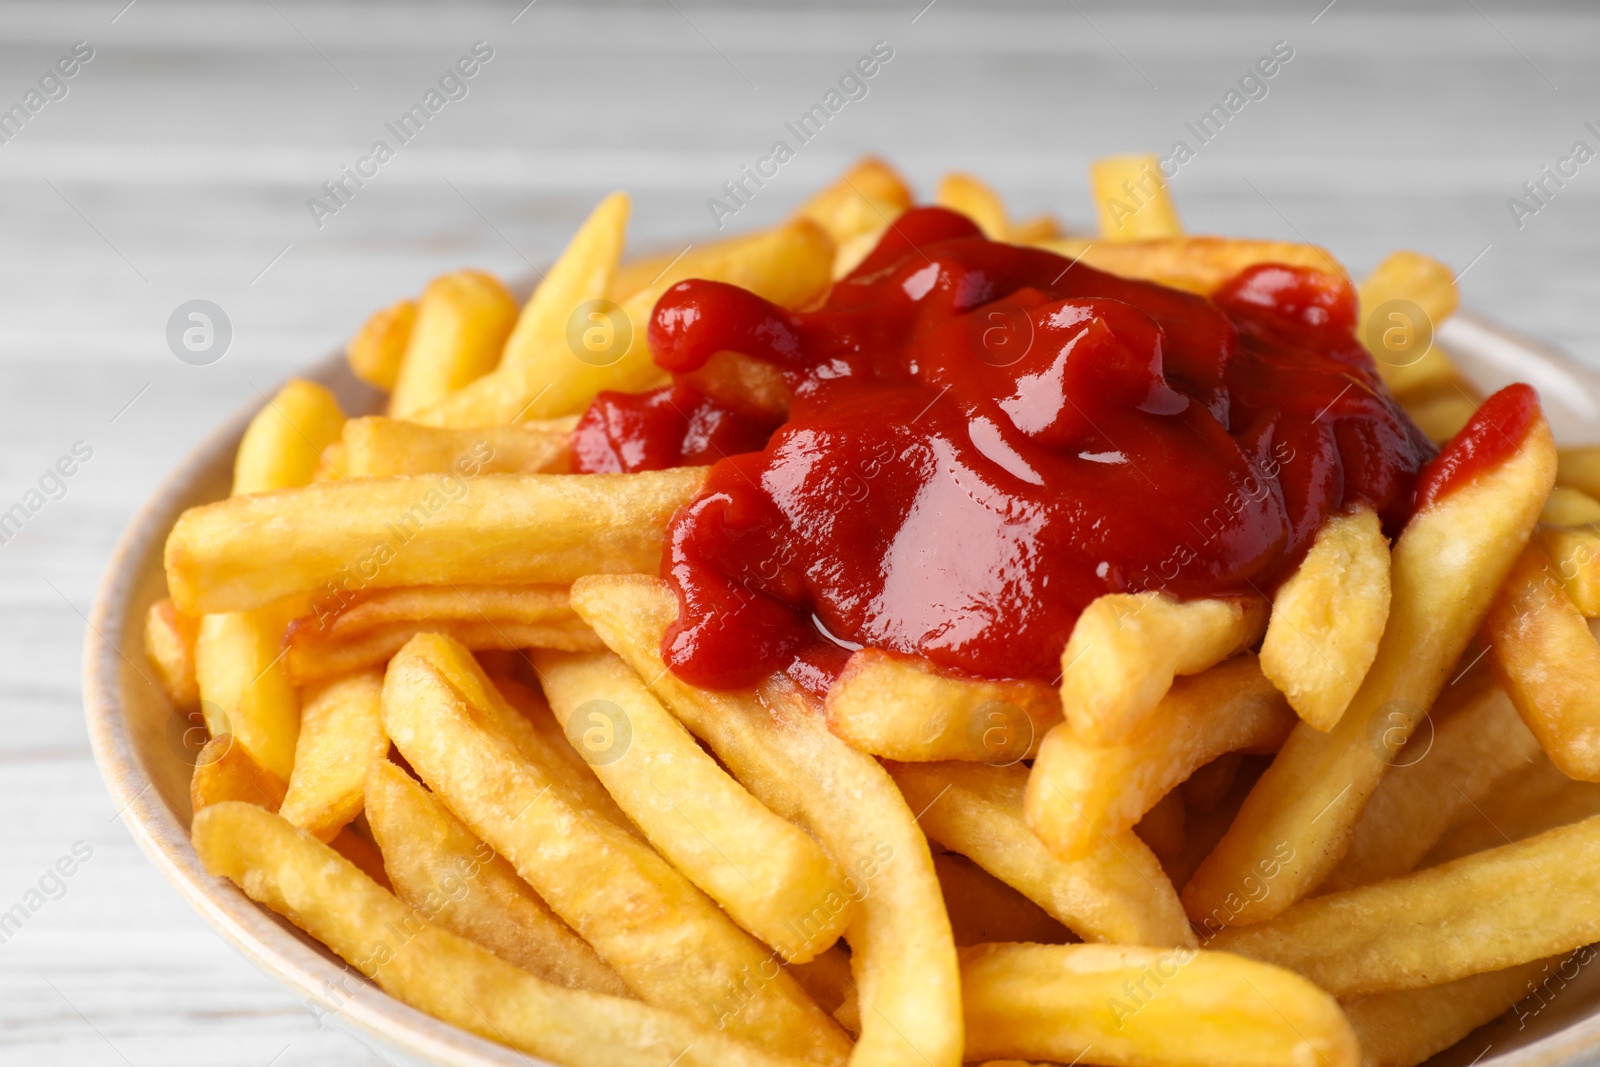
x=138 y=743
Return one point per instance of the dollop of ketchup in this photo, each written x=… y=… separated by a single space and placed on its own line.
x=983 y=438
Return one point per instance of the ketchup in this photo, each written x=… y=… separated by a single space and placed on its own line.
x=1487 y=440
x=983 y=438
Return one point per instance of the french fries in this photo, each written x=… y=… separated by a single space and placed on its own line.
x=169 y=639
x=1569 y=507
x=341 y=733
x=461 y=326
x=864 y=200
x=1447 y=565
x=1194 y=264
x=1575 y=554
x=1535 y=799
x=902 y=709
x=983 y=908
x=1146 y=1007
x=244 y=686
x=766 y=873
x=1403 y=301
x=1328 y=617
x=1128 y=647
x=376 y=447
x=284 y=442
x=379 y=347
x=1131 y=198
x=1081 y=793
x=1402 y=1029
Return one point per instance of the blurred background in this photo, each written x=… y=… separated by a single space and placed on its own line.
x=177 y=162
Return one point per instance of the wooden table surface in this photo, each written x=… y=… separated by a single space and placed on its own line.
x=179 y=162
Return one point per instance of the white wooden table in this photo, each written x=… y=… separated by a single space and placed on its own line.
x=178 y=165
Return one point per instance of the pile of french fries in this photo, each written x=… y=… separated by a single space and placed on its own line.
x=1348 y=825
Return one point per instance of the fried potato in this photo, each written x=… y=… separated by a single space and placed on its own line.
x=1165 y=827
x=1081 y=792
x=1549 y=663
x=244 y=685
x=1472 y=749
x=776 y=745
x=1441 y=411
x=790 y=265
x=1328 y=617
x=584 y=272
x=1575 y=555
x=341 y=733
x=169 y=638
x=902 y=708
x=1144 y=1007
x=461 y=326
x=376 y=447
x=1528 y=802
x=283 y=444
x=512 y=529
x=751 y=386
x=1570 y=507
x=863 y=201
x=974 y=198
x=1115 y=893
x=312 y=658
x=983 y=908
x=457 y=881
x=1131 y=198
x=1403 y=1029
x=1127 y=647
x=765 y=872
x=1403 y=301
x=1484 y=912
x=378 y=348
x=1579 y=468
x=1447 y=565
x=436 y=971
x=668 y=941
x=1196 y=264
x=1203 y=826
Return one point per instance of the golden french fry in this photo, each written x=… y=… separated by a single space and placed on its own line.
x=1210 y=785
x=461 y=326
x=1403 y=301
x=283 y=443
x=826 y=978
x=379 y=347
x=1549 y=663
x=1471 y=750
x=1579 y=468
x=313 y=658
x=1575 y=555
x=225 y=771
x=1570 y=507
x=1127 y=648
x=864 y=200
x=582 y=275
x=983 y=908
x=1081 y=792
x=789 y=265
x=1116 y=893
x=436 y=971
x=244 y=685
x=378 y=447
x=1452 y=557
x=1484 y=912
x=1145 y=1007
x=169 y=637
x=669 y=942
x=341 y=733
x=1441 y=411
x=1328 y=617
x=440 y=869
x=1165 y=827
x=765 y=872
x=902 y=708
x=1529 y=802
x=1404 y=1028
x=378 y=533
x=975 y=199
x=1130 y=195
x=751 y=386
x=1196 y=264
x=776 y=745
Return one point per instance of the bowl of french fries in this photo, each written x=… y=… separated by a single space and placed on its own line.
x=391 y=680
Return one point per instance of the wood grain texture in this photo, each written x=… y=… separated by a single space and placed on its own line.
x=179 y=163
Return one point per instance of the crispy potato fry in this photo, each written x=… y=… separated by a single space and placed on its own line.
x=669 y=942
x=1127 y=647
x=583 y=273
x=1529 y=802
x=751 y=386
x=1575 y=555
x=1145 y=1007
x=169 y=638
x=1549 y=663
x=826 y=978
x=1570 y=507
x=1441 y=411
x=1403 y=301
x=864 y=200
x=983 y=908
x=1196 y=264
x=1579 y=468
x=283 y=443
x=312 y=658
x=1404 y=1028
x=1473 y=748
x=1210 y=785
x=379 y=347
x=975 y=199
x=225 y=771
x=776 y=745
x=900 y=707
x=1081 y=792
x=1165 y=827
x=341 y=733
x=1328 y=617
x=1131 y=198
x=1484 y=912
x=461 y=326
x=1116 y=893
x=246 y=552
x=765 y=872
x=1447 y=565
x=1204 y=826
x=376 y=447
x=440 y=869
x=244 y=685
x=436 y=971
x=790 y=265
